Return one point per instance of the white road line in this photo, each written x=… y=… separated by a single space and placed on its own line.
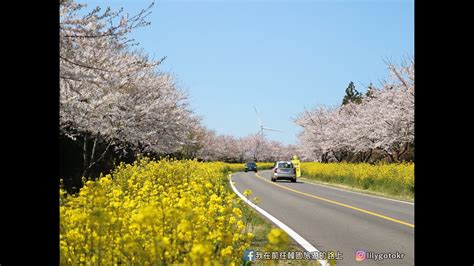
x=299 y=239
x=359 y=193
x=355 y=192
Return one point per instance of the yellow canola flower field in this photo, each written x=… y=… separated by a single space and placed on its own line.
x=237 y=167
x=393 y=179
x=154 y=213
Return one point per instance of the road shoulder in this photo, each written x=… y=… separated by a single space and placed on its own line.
x=356 y=190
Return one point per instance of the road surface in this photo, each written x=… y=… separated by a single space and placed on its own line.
x=334 y=219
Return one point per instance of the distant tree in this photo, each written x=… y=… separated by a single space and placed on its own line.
x=352 y=95
x=248 y=148
x=370 y=91
x=380 y=125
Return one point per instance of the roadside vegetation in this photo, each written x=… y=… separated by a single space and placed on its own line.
x=166 y=211
x=397 y=180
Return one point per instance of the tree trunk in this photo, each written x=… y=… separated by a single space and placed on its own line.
x=84 y=156
x=93 y=147
x=324 y=157
x=89 y=163
x=399 y=154
x=392 y=159
x=92 y=163
x=367 y=158
x=341 y=156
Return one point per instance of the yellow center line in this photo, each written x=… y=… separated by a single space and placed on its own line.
x=338 y=203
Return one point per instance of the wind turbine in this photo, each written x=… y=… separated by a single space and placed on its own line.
x=262 y=128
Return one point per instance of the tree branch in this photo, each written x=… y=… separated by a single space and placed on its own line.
x=81 y=65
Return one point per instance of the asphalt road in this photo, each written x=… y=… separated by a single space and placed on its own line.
x=333 y=219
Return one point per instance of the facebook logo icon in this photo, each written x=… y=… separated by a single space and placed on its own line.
x=249 y=255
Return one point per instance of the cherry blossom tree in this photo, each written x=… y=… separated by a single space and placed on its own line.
x=112 y=94
x=249 y=148
x=383 y=120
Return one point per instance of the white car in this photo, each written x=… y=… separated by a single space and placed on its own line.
x=284 y=170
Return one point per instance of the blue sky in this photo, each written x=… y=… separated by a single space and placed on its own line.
x=280 y=56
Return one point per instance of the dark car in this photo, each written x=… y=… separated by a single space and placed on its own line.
x=251 y=167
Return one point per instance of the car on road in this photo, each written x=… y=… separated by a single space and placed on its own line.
x=283 y=170
x=251 y=166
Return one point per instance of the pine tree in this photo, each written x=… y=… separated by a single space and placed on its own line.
x=352 y=95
